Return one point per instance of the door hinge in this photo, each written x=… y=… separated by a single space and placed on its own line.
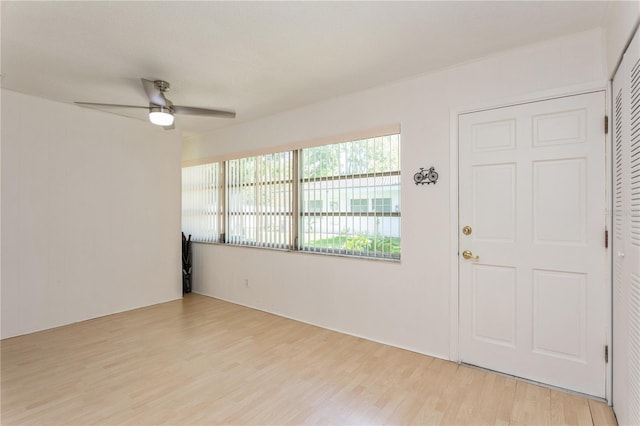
x=606 y=353
x=606 y=238
x=606 y=124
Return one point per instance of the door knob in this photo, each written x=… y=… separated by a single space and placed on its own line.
x=467 y=254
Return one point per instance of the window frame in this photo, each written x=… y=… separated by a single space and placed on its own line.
x=329 y=207
x=361 y=206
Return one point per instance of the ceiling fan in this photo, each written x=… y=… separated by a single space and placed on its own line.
x=161 y=109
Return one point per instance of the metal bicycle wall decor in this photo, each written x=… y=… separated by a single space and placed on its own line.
x=427 y=176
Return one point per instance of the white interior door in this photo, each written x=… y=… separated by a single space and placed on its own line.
x=626 y=237
x=533 y=303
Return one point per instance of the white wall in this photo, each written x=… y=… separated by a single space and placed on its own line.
x=90 y=214
x=404 y=304
x=622 y=18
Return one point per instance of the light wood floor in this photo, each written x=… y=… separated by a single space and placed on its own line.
x=203 y=361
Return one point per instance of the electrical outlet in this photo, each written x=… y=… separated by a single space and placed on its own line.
x=246 y=282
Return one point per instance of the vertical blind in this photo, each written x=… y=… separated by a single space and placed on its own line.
x=259 y=200
x=201 y=202
x=350 y=198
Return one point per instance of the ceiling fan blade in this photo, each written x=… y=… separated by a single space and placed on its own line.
x=94 y=104
x=203 y=111
x=154 y=94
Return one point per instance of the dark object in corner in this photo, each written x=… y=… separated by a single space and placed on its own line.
x=186 y=264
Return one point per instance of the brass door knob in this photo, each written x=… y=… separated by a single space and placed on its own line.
x=467 y=254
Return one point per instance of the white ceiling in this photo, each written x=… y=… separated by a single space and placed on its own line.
x=258 y=58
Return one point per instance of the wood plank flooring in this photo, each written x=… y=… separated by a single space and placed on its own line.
x=202 y=361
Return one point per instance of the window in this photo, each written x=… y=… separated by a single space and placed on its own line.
x=314 y=205
x=349 y=176
x=359 y=205
x=340 y=198
x=201 y=203
x=259 y=202
x=381 y=205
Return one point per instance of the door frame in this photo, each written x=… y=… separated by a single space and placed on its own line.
x=455 y=112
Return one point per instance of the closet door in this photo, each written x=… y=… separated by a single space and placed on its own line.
x=626 y=237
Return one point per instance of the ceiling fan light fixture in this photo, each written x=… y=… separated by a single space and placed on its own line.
x=161 y=109
x=161 y=116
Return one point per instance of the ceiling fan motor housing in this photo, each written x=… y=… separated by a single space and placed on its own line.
x=162 y=85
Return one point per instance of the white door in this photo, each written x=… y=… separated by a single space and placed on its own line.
x=534 y=294
x=626 y=237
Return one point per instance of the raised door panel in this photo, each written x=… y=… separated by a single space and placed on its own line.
x=494 y=304
x=560 y=127
x=559 y=202
x=494 y=135
x=494 y=199
x=559 y=312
